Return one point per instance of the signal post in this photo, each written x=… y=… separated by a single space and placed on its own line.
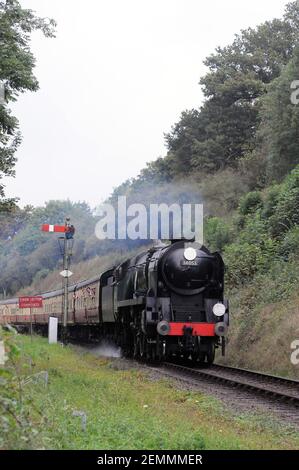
x=66 y=243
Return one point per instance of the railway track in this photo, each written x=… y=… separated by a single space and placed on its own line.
x=271 y=387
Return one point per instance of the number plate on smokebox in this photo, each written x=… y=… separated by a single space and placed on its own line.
x=190 y=263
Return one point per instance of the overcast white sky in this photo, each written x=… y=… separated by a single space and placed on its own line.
x=116 y=78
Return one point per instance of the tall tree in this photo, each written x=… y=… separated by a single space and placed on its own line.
x=16 y=76
x=223 y=130
x=278 y=134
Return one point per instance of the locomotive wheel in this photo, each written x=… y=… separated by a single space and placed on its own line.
x=210 y=355
x=186 y=356
x=201 y=358
x=198 y=358
x=153 y=354
x=127 y=344
x=136 y=345
x=157 y=351
x=142 y=345
x=128 y=353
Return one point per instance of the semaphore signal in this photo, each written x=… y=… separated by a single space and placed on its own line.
x=54 y=228
x=66 y=244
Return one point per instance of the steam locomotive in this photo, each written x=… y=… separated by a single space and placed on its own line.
x=165 y=302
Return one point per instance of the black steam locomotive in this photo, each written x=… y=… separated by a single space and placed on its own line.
x=167 y=301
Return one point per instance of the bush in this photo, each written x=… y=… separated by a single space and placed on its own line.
x=241 y=262
x=290 y=244
x=253 y=252
x=271 y=201
x=250 y=203
x=16 y=427
x=217 y=233
x=286 y=210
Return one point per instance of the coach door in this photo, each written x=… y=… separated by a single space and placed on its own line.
x=107 y=298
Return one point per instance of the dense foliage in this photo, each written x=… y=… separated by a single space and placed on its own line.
x=264 y=233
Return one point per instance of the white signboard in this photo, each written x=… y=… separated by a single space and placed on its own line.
x=53 y=327
x=66 y=273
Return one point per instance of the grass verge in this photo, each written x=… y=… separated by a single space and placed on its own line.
x=124 y=409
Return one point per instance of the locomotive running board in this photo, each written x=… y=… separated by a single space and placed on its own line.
x=131 y=302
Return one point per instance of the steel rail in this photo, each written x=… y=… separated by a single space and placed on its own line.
x=233 y=380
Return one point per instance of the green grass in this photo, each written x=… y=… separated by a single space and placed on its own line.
x=125 y=409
